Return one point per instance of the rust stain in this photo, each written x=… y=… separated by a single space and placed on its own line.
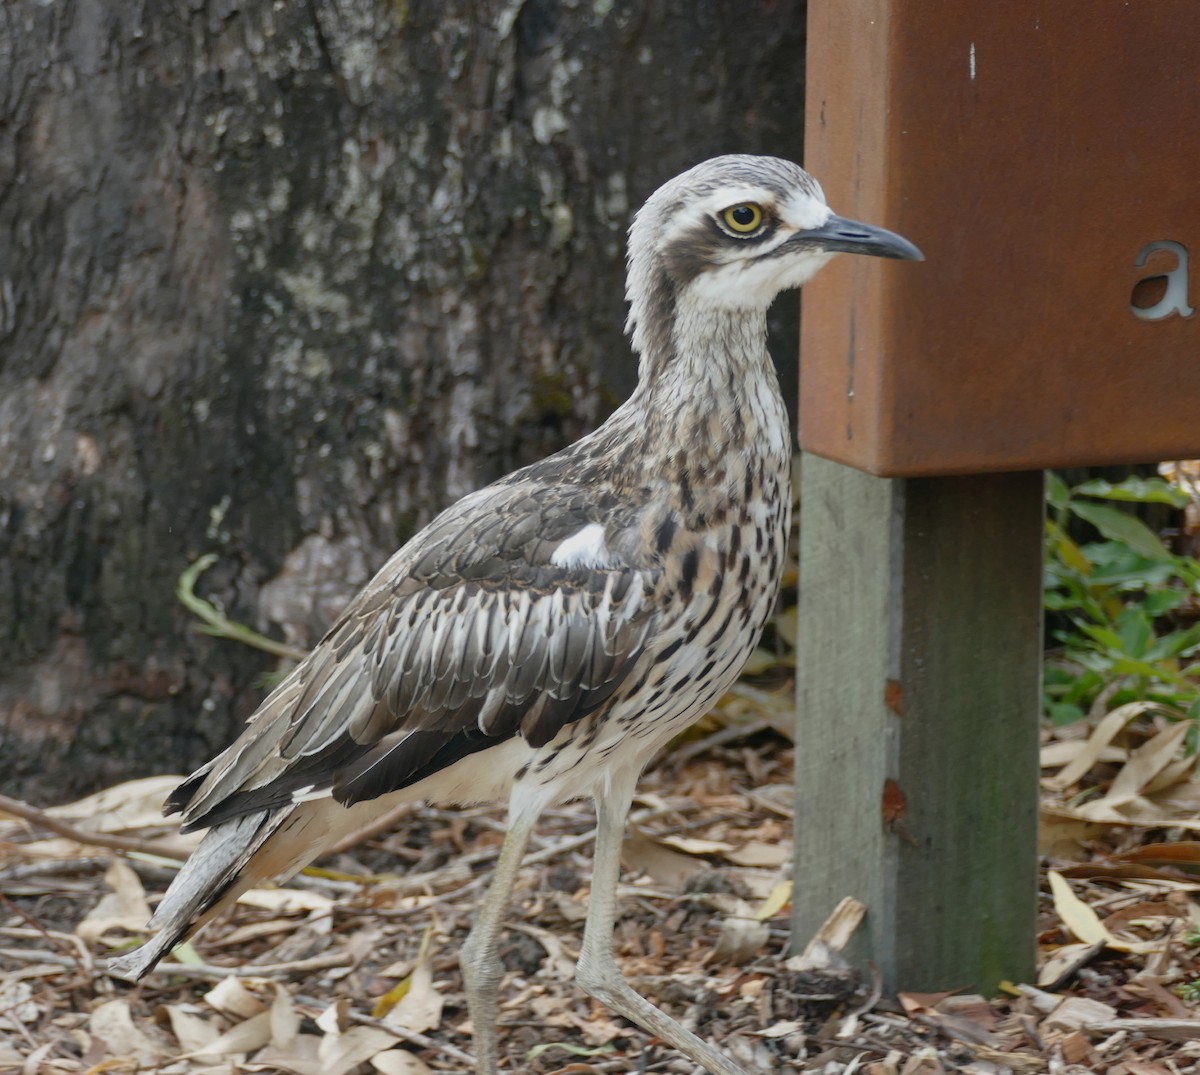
x=893 y=696
x=894 y=807
x=895 y=802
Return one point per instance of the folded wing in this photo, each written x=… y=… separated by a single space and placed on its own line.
x=469 y=636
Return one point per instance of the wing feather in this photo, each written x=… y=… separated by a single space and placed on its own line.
x=468 y=637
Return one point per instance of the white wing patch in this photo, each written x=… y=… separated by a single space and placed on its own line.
x=585 y=548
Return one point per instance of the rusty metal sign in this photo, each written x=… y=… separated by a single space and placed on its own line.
x=1045 y=156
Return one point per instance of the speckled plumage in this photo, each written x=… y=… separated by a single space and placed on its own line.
x=544 y=636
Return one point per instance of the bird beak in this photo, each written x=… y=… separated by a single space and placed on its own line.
x=839 y=235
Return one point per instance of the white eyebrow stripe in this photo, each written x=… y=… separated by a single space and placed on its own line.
x=685 y=222
x=584 y=548
x=730 y=196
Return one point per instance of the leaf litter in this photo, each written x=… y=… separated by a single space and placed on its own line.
x=352 y=968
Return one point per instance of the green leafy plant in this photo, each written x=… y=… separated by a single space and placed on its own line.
x=1124 y=609
x=214 y=622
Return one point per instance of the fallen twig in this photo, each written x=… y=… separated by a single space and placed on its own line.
x=731 y=733
x=163 y=847
x=415 y=1038
x=326 y=961
x=41 y=867
x=1164 y=1029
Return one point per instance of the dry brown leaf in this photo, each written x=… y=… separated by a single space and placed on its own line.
x=341 y=1052
x=1179 y=799
x=691 y=845
x=251 y=931
x=301 y=1057
x=335 y=1019
x=125 y=817
x=831 y=938
x=1082 y=921
x=889 y=1065
x=759 y=853
x=1077 y=813
x=1175 y=772
x=420 y=1009
x=1117 y=871
x=230 y=997
x=1076 y=1012
x=1146 y=762
x=781 y=1029
x=1144 y=911
x=665 y=865
x=285 y=900
x=135 y=804
x=125 y=908
x=33 y=1062
x=742 y=937
x=1177 y=852
x=243 y=1037
x=970 y=1006
x=17 y=1005
x=777 y=899
x=1064 y=961
x=1061 y=836
x=1168 y=1003
x=922 y=1003
x=1144 y=812
x=112 y=1022
x=399 y=1062
x=191 y=1031
x=1076 y=915
x=923 y=1062
x=1097 y=742
x=1075 y=1047
x=285 y=1020
x=1064 y=751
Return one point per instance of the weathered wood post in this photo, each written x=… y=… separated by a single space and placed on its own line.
x=1036 y=158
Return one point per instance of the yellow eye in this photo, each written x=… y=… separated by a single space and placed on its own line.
x=743 y=219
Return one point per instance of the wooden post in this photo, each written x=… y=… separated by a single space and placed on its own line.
x=918 y=695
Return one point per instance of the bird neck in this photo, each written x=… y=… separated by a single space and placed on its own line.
x=708 y=374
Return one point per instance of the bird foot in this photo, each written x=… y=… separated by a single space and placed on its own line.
x=603 y=980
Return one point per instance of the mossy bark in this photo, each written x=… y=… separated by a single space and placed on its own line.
x=278 y=281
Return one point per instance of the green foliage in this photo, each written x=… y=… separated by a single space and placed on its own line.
x=1189 y=991
x=214 y=622
x=567 y=1047
x=1117 y=603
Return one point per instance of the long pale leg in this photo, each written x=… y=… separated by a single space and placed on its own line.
x=597 y=972
x=479 y=959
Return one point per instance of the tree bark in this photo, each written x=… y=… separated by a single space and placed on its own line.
x=278 y=282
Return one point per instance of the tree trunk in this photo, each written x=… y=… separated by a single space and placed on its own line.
x=279 y=281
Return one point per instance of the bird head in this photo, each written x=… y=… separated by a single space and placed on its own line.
x=732 y=233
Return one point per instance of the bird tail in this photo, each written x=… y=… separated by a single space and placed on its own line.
x=227 y=862
x=238 y=854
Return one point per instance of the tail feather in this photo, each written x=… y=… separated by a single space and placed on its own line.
x=238 y=854
x=212 y=878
